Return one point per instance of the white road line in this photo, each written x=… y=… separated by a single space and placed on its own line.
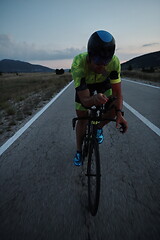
x=144 y=84
x=143 y=119
x=10 y=141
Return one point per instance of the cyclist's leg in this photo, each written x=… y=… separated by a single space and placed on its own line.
x=80 y=128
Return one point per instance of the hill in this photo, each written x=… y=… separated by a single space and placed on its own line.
x=9 y=66
x=145 y=61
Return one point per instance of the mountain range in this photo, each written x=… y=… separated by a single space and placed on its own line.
x=9 y=66
x=144 y=61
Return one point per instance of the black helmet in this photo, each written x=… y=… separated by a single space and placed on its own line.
x=101 y=47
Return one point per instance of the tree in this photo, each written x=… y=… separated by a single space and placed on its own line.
x=60 y=71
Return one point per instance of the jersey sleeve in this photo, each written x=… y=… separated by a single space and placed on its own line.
x=116 y=70
x=78 y=70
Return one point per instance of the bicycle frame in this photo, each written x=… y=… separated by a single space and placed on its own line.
x=91 y=150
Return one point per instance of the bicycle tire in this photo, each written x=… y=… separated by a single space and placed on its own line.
x=94 y=176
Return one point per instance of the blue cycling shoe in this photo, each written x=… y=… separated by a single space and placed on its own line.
x=78 y=159
x=99 y=135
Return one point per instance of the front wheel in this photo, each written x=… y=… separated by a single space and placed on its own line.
x=93 y=173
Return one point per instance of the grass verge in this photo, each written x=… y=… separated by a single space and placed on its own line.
x=21 y=95
x=135 y=74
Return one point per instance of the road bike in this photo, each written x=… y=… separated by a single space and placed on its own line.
x=90 y=150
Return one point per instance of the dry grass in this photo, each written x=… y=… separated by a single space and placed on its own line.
x=17 y=88
x=153 y=77
x=21 y=95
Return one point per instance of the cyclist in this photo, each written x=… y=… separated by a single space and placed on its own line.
x=98 y=69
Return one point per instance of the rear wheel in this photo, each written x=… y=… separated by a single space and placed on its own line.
x=93 y=173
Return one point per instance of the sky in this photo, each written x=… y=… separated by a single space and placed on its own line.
x=52 y=32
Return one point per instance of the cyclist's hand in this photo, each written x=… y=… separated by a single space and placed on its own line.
x=100 y=98
x=121 y=123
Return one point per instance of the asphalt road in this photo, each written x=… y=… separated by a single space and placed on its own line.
x=43 y=196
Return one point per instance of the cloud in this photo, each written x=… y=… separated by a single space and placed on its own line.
x=149 y=44
x=10 y=49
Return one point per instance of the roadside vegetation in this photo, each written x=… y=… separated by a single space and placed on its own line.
x=149 y=74
x=23 y=93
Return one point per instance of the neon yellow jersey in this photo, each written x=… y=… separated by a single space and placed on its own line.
x=80 y=70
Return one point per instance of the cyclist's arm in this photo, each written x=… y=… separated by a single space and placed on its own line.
x=116 y=89
x=117 y=92
x=89 y=101
x=115 y=81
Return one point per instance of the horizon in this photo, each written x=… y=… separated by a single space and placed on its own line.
x=59 y=66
